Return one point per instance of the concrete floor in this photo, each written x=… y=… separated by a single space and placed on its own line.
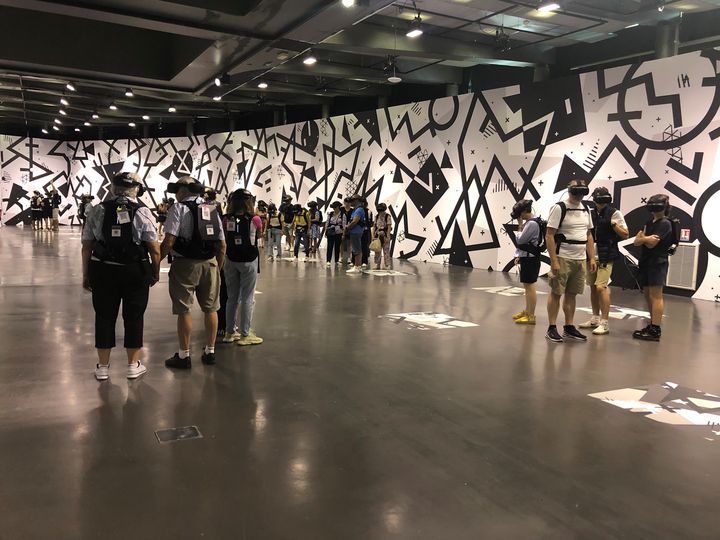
x=344 y=425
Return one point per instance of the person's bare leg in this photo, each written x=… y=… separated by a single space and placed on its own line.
x=211 y=328
x=133 y=356
x=569 y=308
x=553 y=308
x=604 y=300
x=657 y=305
x=530 y=298
x=104 y=356
x=184 y=329
x=595 y=301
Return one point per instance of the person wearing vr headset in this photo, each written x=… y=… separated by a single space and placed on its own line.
x=656 y=240
x=287 y=217
x=194 y=236
x=570 y=244
x=120 y=262
x=335 y=225
x=608 y=229
x=382 y=230
x=529 y=247
x=242 y=265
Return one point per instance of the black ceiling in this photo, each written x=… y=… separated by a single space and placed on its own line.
x=169 y=53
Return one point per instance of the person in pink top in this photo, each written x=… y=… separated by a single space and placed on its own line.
x=242 y=266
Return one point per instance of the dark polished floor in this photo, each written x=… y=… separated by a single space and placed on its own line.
x=343 y=425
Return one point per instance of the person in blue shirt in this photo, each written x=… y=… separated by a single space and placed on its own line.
x=528 y=236
x=354 y=230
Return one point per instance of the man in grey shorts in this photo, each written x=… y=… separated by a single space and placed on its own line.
x=194 y=235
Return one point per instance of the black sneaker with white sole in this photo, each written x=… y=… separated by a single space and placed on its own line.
x=649 y=333
x=208 y=359
x=178 y=363
x=570 y=332
x=553 y=335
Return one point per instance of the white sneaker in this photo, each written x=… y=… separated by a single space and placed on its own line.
x=364 y=266
x=304 y=259
x=328 y=265
x=102 y=373
x=594 y=322
x=135 y=370
x=230 y=338
x=338 y=263
x=354 y=270
x=270 y=258
x=294 y=259
x=602 y=329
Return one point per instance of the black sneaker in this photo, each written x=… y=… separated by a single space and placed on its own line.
x=570 y=332
x=553 y=335
x=649 y=333
x=208 y=359
x=178 y=363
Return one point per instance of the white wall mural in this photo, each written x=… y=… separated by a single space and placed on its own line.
x=449 y=169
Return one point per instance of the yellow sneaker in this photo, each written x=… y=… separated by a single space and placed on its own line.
x=527 y=319
x=519 y=315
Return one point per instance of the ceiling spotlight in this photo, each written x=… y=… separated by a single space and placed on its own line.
x=661 y=7
x=222 y=79
x=415 y=29
x=263 y=85
x=64 y=101
x=172 y=109
x=217 y=98
x=309 y=59
x=87 y=124
x=57 y=121
x=77 y=130
x=218 y=82
x=63 y=112
x=348 y=3
x=70 y=86
x=131 y=124
x=548 y=7
x=129 y=92
x=394 y=79
x=45 y=131
x=113 y=107
x=56 y=128
x=390 y=65
x=145 y=117
x=95 y=116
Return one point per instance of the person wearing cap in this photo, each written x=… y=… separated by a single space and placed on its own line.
x=382 y=230
x=608 y=229
x=570 y=243
x=120 y=262
x=242 y=265
x=335 y=226
x=194 y=236
x=354 y=230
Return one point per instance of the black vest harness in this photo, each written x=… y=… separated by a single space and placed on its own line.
x=241 y=237
x=202 y=245
x=606 y=239
x=118 y=245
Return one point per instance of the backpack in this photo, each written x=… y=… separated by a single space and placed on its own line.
x=118 y=245
x=81 y=211
x=203 y=243
x=559 y=237
x=676 y=235
x=541 y=246
x=320 y=221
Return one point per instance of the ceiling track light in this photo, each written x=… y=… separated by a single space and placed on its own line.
x=131 y=124
x=87 y=124
x=95 y=116
x=113 y=107
x=64 y=101
x=57 y=121
x=55 y=128
x=263 y=85
x=45 y=131
x=310 y=59
x=222 y=79
x=62 y=112
x=77 y=130
x=129 y=92
x=70 y=86
x=347 y=3
x=172 y=109
x=415 y=29
x=661 y=6
x=547 y=7
x=145 y=117
x=217 y=98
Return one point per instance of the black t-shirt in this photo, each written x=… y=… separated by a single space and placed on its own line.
x=56 y=200
x=286 y=211
x=663 y=228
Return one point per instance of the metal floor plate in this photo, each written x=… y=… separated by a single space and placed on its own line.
x=178 y=434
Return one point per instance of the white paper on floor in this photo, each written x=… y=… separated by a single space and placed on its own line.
x=427 y=320
x=385 y=273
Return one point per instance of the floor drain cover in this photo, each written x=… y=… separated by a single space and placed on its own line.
x=178 y=434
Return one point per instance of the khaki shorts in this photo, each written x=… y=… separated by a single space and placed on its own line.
x=570 y=279
x=287 y=230
x=201 y=278
x=601 y=278
x=56 y=213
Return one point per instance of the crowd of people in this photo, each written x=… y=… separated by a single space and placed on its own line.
x=581 y=238
x=45 y=210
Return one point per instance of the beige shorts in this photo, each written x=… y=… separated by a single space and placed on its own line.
x=56 y=213
x=601 y=278
x=190 y=278
x=570 y=279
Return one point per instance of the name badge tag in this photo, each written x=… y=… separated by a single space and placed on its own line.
x=123 y=217
x=205 y=211
x=116 y=231
x=230 y=226
x=238 y=241
x=210 y=230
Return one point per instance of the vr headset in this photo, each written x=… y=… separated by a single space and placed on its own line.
x=579 y=190
x=601 y=195
x=194 y=187
x=129 y=180
x=520 y=208
x=381 y=207
x=658 y=203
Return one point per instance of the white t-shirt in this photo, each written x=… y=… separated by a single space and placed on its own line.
x=575 y=226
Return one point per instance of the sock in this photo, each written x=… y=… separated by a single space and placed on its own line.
x=184 y=354
x=603 y=321
x=209 y=350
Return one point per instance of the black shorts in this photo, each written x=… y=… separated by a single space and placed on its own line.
x=529 y=269
x=653 y=273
